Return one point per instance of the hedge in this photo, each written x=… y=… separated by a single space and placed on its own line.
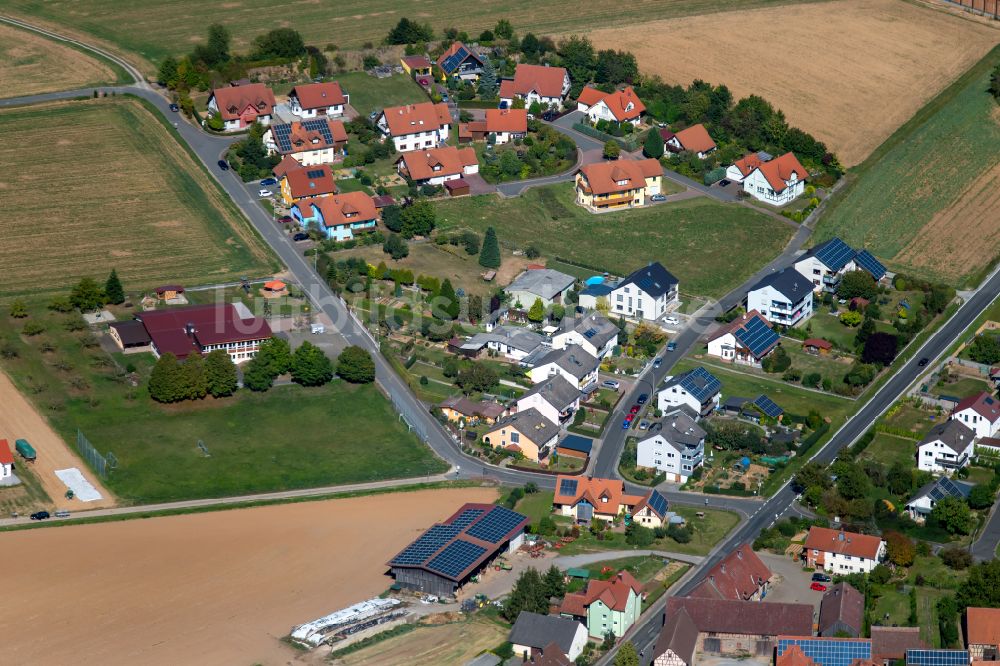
x=631 y=144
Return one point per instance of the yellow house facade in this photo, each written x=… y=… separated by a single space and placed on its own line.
x=618 y=184
x=528 y=432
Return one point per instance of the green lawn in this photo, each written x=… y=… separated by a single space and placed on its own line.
x=963 y=387
x=686 y=237
x=536 y=505
x=921 y=170
x=828 y=327
x=914 y=419
x=889 y=449
x=369 y=93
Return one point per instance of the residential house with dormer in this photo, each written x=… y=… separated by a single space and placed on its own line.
x=573 y=362
x=309 y=142
x=623 y=183
x=311 y=100
x=696 y=389
x=594 y=332
x=436 y=166
x=545 y=85
x=606 y=606
x=416 y=126
x=979 y=412
x=694 y=139
x=585 y=498
x=826 y=263
x=946 y=447
x=677 y=450
x=460 y=61
x=555 y=398
x=776 y=181
x=339 y=216
x=620 y=106
x=646 y=293
x=784 y=297
x=746 y=340
x=242 y=106
x=527 y=432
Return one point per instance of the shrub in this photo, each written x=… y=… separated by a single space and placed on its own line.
x=956 y=558
x=33 y=328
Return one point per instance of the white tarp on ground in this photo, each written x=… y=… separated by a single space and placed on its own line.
x=75 y=481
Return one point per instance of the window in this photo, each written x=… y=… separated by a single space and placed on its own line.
x=515 y=437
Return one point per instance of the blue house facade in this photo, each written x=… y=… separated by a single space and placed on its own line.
x=339 y=217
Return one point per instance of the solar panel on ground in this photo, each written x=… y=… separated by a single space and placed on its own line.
x=567 y=487
x=868 y=262
x=466 y=518
x=456 y=558
x=658 y=503
x=835 y=253
x=826 y=652
x=426 y=545
x=937 y=657
x=756 y=336
x=495 y=525
x=700 y=383
x=768 y=407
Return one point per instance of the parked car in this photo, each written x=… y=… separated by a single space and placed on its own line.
x=657 y=361
x=642 y=399
x=626 y=424
x=821 y=578
x=924 y=361
x=373 y=115
x=175 y=108
x=269 y=181
x=643 y=424
x=724 y=182
x=611 y=384
x=444 y=97
x=630 y=417
x=672 y=320
x=819 y=587
x=224 y=165
x=40 y=515
x=285 y=219
x=671 y=346
x=263 y=193
x=549 y=116
x=635 y=409
x=531 y=117
x=657 y=198
x=301 y=236
x=62 y=514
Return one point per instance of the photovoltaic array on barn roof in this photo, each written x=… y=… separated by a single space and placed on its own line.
x=756 y=336
x=455 y=558
x=937 y=657
x=768 y=407
x=495 y=525
x=829 y=652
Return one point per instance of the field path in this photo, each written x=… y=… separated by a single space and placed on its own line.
x=20 y=420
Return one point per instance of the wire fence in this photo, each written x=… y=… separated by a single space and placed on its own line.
x=100 y=464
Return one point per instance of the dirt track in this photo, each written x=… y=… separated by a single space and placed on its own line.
x=19 y=420
x=214 y=588
x=848 y=71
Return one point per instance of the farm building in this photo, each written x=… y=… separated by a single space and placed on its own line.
x=6 y=461
x=841 y=612
x=740 y=576
x=449 y=554
x=204 y=328
x=129 y=335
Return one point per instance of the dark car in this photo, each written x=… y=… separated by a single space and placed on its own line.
x=549 y=116
x=924 y=361
x=300 y=236
x=671 y=346
x=657 y=361
x=643 y=398
x=723 y=182
x=175 y=108
x=40 y=515
x=269 y=181
x=224 y=165
x=821 y=578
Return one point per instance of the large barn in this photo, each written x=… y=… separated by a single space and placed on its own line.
x=447 y=555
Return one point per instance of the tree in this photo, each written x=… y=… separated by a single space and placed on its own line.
x=503 y=29
x=165 y=381
x=489 y=256
x=448 y=300
x=528 y=594
x=216 y=50
x=18 y=310
x=86 y=295
x=611 y=150
x=193 y=381
x=853 y=483
x=857 y=284
x=488 y=81
x=477 y=377
x=899 y=479
x=982 y=587
x=981 y=496
x=777 y=361
x=639 y=536
x=616 y=67
x=880 y=349
x=356 y=365
x=409 y=32
x=865 y=331
x=955 y=557
x=899 y=548
x=220 y=373
x=985 y=349
x=653 y=145
x=471 y=242
x=417 y=220
x=391 y=218
x=167 y=74
x=257 y=375
x=284 y=43
x=310 y=366
x=953 y=515
x=812 y=474
x=536 y=312
x=395 y=247
x=277 y=354
x=113 y=291
x=627 y=655
x=555 y=585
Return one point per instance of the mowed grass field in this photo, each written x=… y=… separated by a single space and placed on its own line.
x=369 y=93
x=92 y=185
x=31 y=64
x=710 y=247
x=154 y=30
x=880 y=61
x=928 y=200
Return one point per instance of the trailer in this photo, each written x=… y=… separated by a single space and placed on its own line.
x=26 y=450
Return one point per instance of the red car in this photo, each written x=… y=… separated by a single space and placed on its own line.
x=819 y=587
x=285 y=219
x=628 y=419
x=635 y=409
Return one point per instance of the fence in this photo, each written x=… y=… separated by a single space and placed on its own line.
x=412 y=420
x=630 y=143
x=988 y=8
x=100 y=464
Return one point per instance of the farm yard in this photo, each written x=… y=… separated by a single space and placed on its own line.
x=31 y=64
x=147 y=209
x=154 y=32
x=881 y=61
x=684 y=236
x=130 y=571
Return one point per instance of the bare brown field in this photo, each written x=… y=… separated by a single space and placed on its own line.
x=453 y=643
x=31 y=64
x=848 y=71
x=95 y=184
x=211 y=588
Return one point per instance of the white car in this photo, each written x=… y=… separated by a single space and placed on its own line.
x=264 y=193
x=672 y=320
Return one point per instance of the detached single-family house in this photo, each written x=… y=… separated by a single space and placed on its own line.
x=777 y=181
x=646 y=293
x=460 y=408
x=840 y=552
x=740 y=576
x=697 y=389
x=460 y=61
x=416 y=126
x=841 y=612
x=436 y=166
x=606 y=605
x=620 y=106
x=676 y=450
x=416 y=65
x=585 y=498
x=594 y=332
x=980 y=412
x=6 y=461
x=533 y=634
x=784 y=297
x=310 y=100
x=500 y=126
x=338 y=216
x=527 y=432
x=622 y=183
x=924 y=500
x=309 y=142
x=694 y=139
x=515 y=343
x=946 y=447
x=307 y=183
x=535 y=83
x=574 y=363
x=746 y=340
x=555 y=398
x=825 y=264
x=982 y=633
x=242 y=106
x=549 y=286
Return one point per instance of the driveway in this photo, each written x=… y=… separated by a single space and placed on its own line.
x=477 y=185
x=791 y=582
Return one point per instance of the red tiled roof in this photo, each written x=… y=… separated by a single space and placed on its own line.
x=452 y=50
x=443 y=161
x=613 y=593
x=546 y=81
x=818 y=343
x=745 y=617
x=983 y=626
x=617 y=102
x=826 y=540
x=748 y=164
x=413 y=118
x=213 y=324
x=233 y=100
x=416 y=62
x=603 y=177
x=794 y=656
x=313 y=181
x=507 y=120
x=303 y=140
x=318 y=95
x=983 y=404
x=592 y=490
x=287 y=163
x=6 y=457
x=695 y=139
x=738 y=576
x=893 y=642
x=345 y=208
x=590 y=96
x=779 y=170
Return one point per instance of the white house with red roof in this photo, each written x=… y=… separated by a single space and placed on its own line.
x=840 y=552
x=536 y=83
x=318 y=99
x=242 y=106
x=585 y=498
x=694 y=139
x=436 y=166
x=979 y=412
x=777 y=181
x=6 y=461
x=309 y=142
x=620 y=106
x=744 y=340
x=416 y=126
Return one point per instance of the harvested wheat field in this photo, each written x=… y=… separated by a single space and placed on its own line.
x=849 y=71
x=98 y=184
x=31 y=64
x=211 y=588
x=453 y=643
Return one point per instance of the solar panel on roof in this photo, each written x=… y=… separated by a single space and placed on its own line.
x=589 y=333
x=321 y=126
x=768 y=407
x=456 y=558
x=826 y=652
x=466 y=517
x=426 y=545
x=315 y=173
x=835 y=254
x=868 y=262
x=495 y=525
x=658 y=503
x=756 y=336
x=567 y=487
x=454 y=60
x=282 y=137
x=937 y=657
x=701 y=384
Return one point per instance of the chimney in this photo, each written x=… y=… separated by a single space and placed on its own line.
x=739 y=554
x=189 y=329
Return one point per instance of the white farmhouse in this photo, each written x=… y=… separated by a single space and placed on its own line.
x=416 y=126
x=535 y=83
x=696 y=389
x=620 y=106
x=840 y=552
x=574 y=363
x=593 y=332
x=946 y=447
x=645 y=294
x=676 y=450
x=981 y=413
x=784 y=297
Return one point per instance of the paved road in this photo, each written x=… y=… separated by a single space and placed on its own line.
x=985 y=547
